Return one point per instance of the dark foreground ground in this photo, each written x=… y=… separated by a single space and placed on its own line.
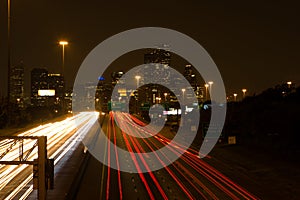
x=265 y=174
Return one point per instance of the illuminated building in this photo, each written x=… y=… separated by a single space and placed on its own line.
x=47 y=89
x=17 y=85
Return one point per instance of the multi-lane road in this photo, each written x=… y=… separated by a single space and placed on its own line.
x=16 y=180
x=189 y=177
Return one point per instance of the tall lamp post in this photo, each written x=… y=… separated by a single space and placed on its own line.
x=165 y=94
x=289 y=83
x=210 y=84
x=206 y=87
x=235 y=95
x=63 y=43
x=244 y=92
x=8 y=60
x=183 y=90
x=137 y=93
x=137 y=81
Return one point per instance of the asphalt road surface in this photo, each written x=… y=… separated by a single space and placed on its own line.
x=189 y=177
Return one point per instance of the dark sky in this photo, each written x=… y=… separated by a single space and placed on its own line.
x=254 y=44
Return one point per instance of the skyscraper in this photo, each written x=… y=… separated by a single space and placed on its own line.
x=158 y=56
x=116 y=78
x=17 y=85
x=155 y=72
x=38 y=81
x=190 y=76
x=46 y=89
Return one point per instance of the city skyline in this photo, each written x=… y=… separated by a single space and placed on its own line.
x=180 y=65
x=253 y=47
x=149 y=99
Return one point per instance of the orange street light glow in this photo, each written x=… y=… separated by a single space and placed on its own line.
x=63 y=43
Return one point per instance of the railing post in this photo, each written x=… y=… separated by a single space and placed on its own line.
x=42 y=158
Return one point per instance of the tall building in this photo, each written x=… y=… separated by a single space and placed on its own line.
x=190 y=76
x=157 y=72
x=102 y=95
x=118 y=84
x=158 y=56
x=68 y=100
x=56 y=82
x=17 y=85
x=116 y=78
x=38 y=81
x=46 y=89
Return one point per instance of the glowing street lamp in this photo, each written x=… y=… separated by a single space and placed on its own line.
x=158 y=99
x=210 y=84
x=183 y=90
x=244 y=92
x=137 y=81
x=235 y=95
x=165 y=94
x=63 y=43
x=206 y=87
x=289 y=83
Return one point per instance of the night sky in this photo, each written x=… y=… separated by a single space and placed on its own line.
x=255 y=45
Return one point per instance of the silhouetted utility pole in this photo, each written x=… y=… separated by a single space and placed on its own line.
x=8 y=61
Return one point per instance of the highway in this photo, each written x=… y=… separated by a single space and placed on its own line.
x=16 y=180
x=189 y=177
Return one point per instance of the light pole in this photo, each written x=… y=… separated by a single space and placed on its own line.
x=210 y=84
x=158 y=99
x=137 y=81
x=244 y=92
x=289 y=84
x=63 y=43
x=206 y=87
x=8 y=60
x=165 y=94
x=183 y=90
x=137 y=92
x=235 y=95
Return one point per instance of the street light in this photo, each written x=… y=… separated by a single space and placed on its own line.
x=183 y=90
x=63 y=43
x=244 y=92
x=8 y=60
x=137 y=94
x=210 y=84
x=206 y=87
x=235 y=95
x=165 y=94
x=289 y=84
x=158 y=99
x=137 y=81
